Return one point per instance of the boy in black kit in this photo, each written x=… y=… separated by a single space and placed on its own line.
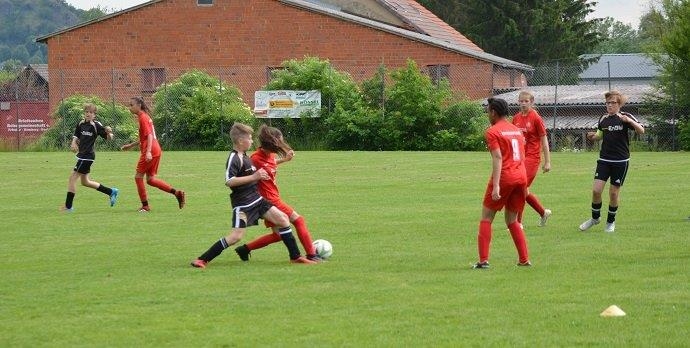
x=247 y=205
x=614 y=157
x=83 y=141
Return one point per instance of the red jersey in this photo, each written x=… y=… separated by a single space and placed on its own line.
x=146 y=128
x=532 y=127
x=267 y=160
x=509 y=140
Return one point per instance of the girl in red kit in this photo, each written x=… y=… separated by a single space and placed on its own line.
x=150 y=156
x=271 y=143
x=507 y=187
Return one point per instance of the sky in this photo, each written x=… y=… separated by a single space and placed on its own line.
x=626 y=11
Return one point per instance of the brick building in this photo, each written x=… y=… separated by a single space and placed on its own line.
x=133 y=51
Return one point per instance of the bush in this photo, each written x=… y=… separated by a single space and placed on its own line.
x=462 y=128
x=196 y=111
x=71 y=111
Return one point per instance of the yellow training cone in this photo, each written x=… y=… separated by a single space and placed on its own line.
x=612 y=311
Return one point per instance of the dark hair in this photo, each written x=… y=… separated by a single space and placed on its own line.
x=271 y=139
x=499 y=105
x=142 y=104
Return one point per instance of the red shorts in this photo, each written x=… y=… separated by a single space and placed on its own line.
x=512 y=197
x=532 y=168
x=282 y=206
x=149 y=168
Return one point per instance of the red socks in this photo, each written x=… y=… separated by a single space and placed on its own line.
x=263 y=241
x=484 y=240
x=160 y=184
x=141 y=189
x=304 y=236
x=519 y=239
x=533 y=202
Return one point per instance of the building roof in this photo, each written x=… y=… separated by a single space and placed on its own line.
x=40 y=69
x=622 y=66
x=577 y=95
x=432 y=30
x=427 y=23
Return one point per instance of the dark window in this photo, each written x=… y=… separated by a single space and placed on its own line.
x=204 y=2
x=438 y=72
x=270 y=70
x=152 y=78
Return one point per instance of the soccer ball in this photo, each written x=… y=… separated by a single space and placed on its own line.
x=323 y=248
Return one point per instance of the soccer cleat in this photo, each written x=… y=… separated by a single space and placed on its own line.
x=145 y=209
x=303 y=260
x=243 y=252
x=67 y=210
x=199 y=263
x=524 y=264
x=481 y=265
x=542 y=220
x=113 y=196
x=179 y=194
x=589 y=223
x=610 y=227
x=315 y=258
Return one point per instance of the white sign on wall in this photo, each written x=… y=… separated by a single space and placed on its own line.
x=283 y=103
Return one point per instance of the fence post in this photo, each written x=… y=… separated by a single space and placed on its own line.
x=555 y=107
x=16 y=104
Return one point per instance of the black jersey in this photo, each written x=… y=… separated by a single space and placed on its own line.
x=239 y=165
x=615 y=139
x=87 y=132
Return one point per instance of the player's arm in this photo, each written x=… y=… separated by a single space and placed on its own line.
x=74 y=146
x=496 y=162
x=288 y=157
x=126 y=147
x=235 y=181
x=109 y=133
x=149 y=145
x=639 y=129
x=547 y=153
x=594 y=136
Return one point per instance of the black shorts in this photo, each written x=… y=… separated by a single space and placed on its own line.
x=616 y=171
x=249 y=215
x=83 y=166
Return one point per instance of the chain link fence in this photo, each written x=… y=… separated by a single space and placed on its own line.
x=569 y=100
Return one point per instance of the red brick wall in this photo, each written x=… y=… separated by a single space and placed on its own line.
x=179 y=35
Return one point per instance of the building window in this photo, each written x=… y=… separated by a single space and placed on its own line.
x=270 y=70
x=438 y=72
x=152 y=78
x=204 y=2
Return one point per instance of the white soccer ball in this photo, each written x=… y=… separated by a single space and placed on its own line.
x=323 y=248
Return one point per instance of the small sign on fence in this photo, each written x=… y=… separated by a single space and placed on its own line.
x=284 y=103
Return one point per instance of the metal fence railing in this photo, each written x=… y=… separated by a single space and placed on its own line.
x=569 y=103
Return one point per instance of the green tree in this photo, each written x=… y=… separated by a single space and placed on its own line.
x=532 y=32
x=674 y=83
x=196 y=112
x=617 y=37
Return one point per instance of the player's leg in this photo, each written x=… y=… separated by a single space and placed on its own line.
x=71 y=189
x=489 y=209
x=282 y=222
x=240 y=221
x=152 y=180
x=142 y=167
x=601 y=174
x=618 y=174
x=244 y=251
x=514 y=204
x=304 y=235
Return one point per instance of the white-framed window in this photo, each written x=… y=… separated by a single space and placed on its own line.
x=204 y=2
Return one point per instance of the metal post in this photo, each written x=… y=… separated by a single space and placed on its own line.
x=555 y=107
x=608 y=68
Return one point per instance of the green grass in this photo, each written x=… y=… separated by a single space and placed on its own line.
x=403 y=227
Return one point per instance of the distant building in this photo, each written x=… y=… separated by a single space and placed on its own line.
x=24 y=109
x=619 y=69
x=135 y=50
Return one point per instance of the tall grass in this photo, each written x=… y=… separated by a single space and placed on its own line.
x=403 y=226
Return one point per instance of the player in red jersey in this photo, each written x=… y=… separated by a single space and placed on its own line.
x=150 y=156
x=272 y=143
x=507 y=186
x=536 y=142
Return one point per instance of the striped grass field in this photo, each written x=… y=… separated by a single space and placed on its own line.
x=403 y=226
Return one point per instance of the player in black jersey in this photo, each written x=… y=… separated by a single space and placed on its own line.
x=83 y=141
x=614 y=156
x=247 y=205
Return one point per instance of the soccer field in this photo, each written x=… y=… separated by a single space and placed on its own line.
x=403 y=227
